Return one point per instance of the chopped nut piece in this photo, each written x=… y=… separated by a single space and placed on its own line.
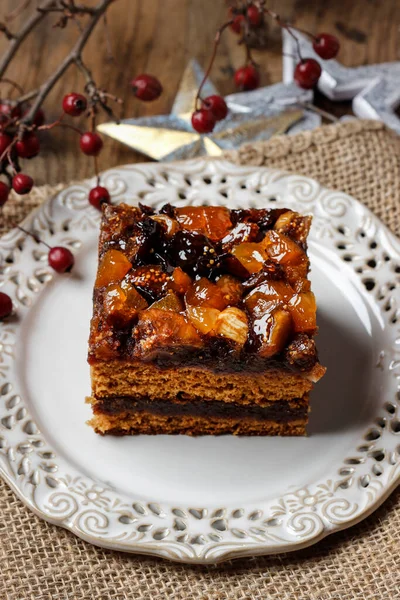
x=170 y=225
x=232 y=323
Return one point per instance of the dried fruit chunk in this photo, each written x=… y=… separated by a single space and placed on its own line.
x=274 y=290
x=212 y=221
x=169 y=225
x=113 y=267
x=170 y=302
x=180 y=281
x=203 y=318
x=301 y=352
x=242 y=232
x=282 y=249
x=231 y=288
x=122 y=306
x=303 y=309
x=251 y=255
x=231 y=323
x=192 y=252
x=270 y=271
x=158 y=330
x=205 y=293
x=149 y=280
x=272 y=331
x=294 y=225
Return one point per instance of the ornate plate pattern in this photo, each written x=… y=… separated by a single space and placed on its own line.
x=349 y=488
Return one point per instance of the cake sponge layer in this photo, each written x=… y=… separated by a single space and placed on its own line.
x=122 y=378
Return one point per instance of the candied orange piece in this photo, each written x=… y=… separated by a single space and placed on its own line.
x=206 y=293
x=113 y=267
x=203 y=318
x=251 y=255
x=273 y=290
x=282 y=249
x=133 y=298
x=212 y=221
x=273 y=329
x=303 y=309
x=294 y=225
x=242 y=232
x=158 y=330
x=121 y=306
x=180 y=281
x=231 y=288
x=170 y=302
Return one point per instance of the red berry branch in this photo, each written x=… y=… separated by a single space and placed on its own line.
x=247 y=20
x=22 y=118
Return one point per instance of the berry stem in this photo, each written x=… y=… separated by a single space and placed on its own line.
x=32 y=235
x=217 y=40
x=284 y=25
x=319 y=111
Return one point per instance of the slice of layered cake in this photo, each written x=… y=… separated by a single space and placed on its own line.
x=203 y=322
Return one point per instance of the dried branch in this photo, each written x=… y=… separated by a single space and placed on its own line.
x=19 y=38
x=75 y=56
x=4 y=29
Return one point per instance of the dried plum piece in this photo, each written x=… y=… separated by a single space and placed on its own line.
x=193 y=252
x=263 y=217
x=269 y=271
x=168 y=209
x=146 y=210
x=146 y=240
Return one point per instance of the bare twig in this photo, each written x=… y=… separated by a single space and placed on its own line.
x=20 y=36
x=4 y=29
x=75 y=56
x=17 y=11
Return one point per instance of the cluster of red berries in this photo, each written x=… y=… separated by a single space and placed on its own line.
x=306 y=74
x=145 y=87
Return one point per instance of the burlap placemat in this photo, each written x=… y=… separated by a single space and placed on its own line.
x=42 y=562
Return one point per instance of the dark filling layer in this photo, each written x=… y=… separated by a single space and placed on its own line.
x=280 y=411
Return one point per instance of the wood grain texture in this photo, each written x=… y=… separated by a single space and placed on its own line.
x=160 y=36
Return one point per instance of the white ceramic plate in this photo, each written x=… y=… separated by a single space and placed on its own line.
x=212 y=498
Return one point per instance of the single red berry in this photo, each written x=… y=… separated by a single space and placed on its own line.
x=74 y=104
x=307 y=73
x=146 y=87
x=326 y=45
x=253 y=15
x=28 y=147
x=247 y=78
x=9 y=111
x=5 y=305
x=39 y=117
x=203 y=121
x=4 y=191
x=91 y=143
x=237 y=24
x=22 y=184
x=5 y=141
x=99 y=195
x=61 y=259
x=217 y=105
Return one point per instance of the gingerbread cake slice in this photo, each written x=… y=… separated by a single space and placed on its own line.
x=203 y=322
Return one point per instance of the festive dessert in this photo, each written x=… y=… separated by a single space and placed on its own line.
x=203 y=322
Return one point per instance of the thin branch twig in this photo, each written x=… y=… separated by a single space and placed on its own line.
x=19 y=38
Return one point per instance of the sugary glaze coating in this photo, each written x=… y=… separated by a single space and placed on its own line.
x=224 y=289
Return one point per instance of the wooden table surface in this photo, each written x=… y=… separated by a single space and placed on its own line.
x=160 y=37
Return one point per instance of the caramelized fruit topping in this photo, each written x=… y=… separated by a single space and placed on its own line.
x=231 y=288
x=205 y=293
x=150 y=280
x=163 y=329
x=239 y=277
x=282 y=249
x=113 y=267
x=242 y=232
x=203 y=318
x=251 y=256
x=170 y=302
x=212 y=221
